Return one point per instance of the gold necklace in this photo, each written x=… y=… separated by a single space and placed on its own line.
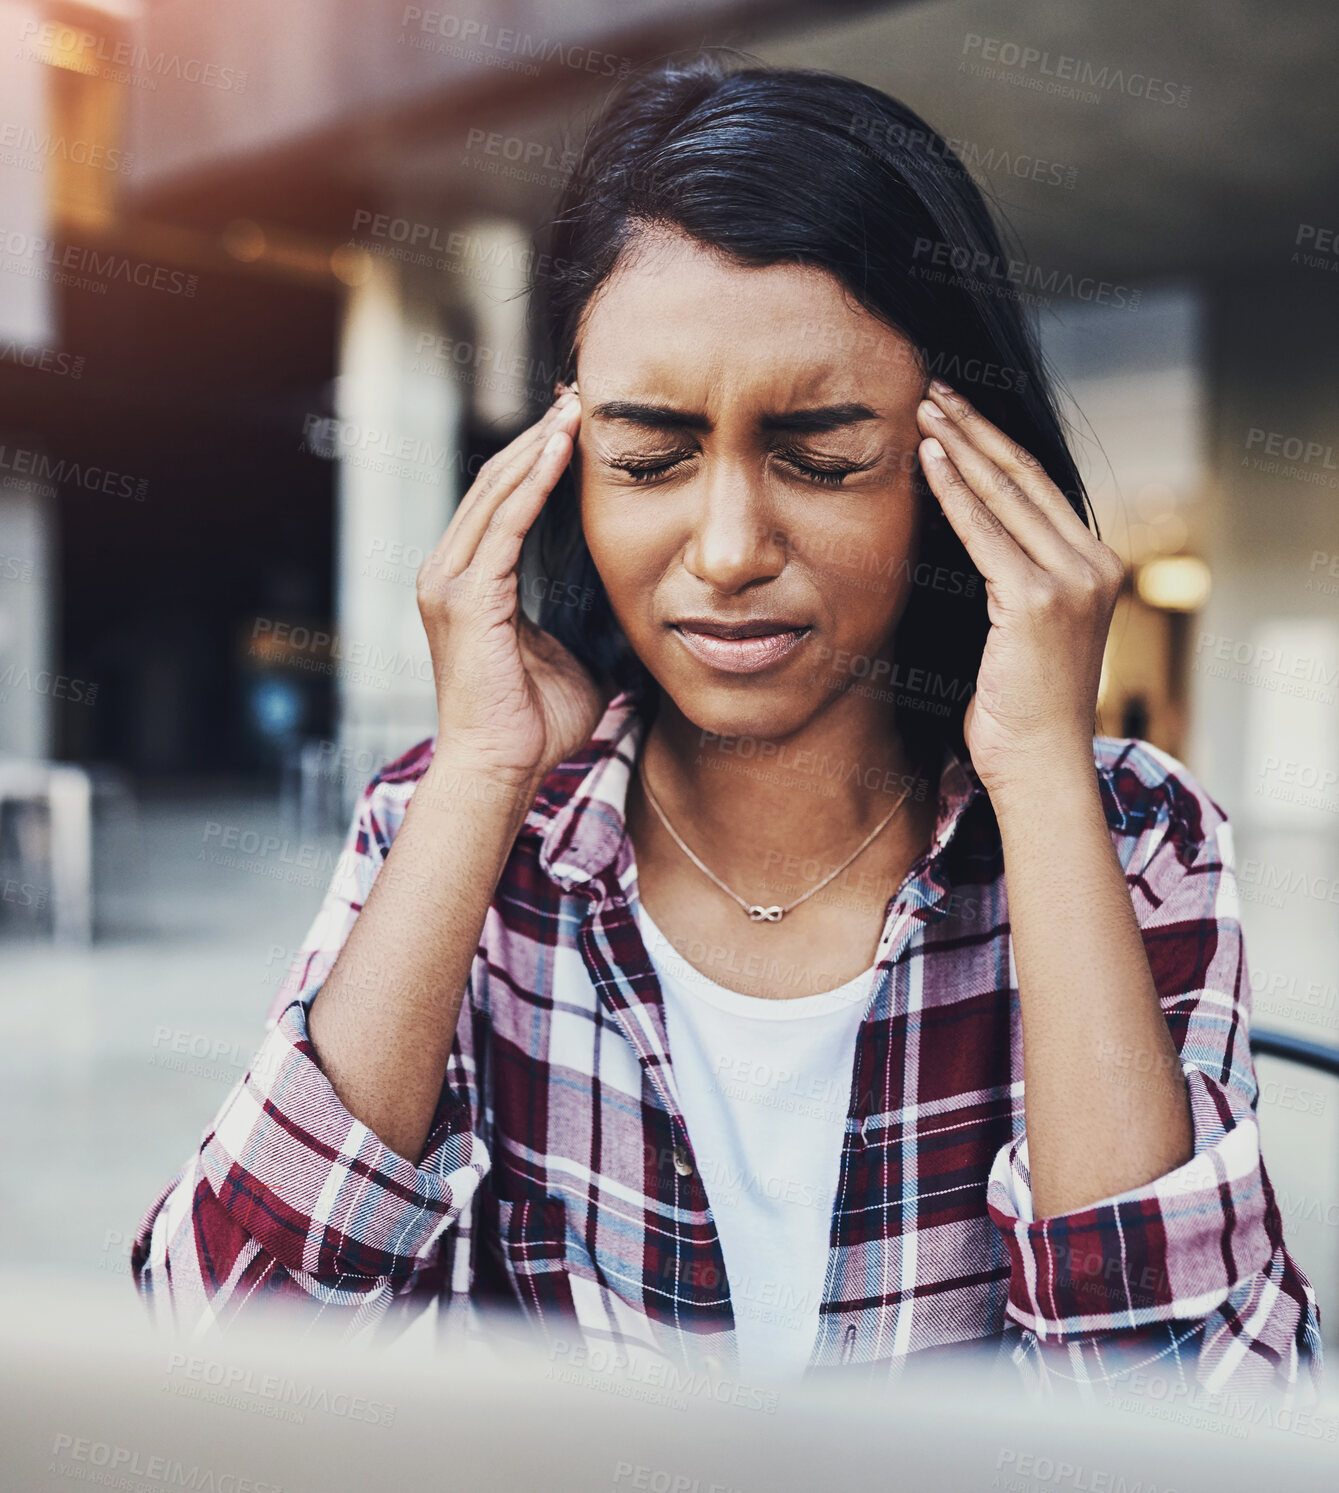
x=757 y=913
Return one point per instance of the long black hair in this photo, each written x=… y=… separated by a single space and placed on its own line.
x=778 y=165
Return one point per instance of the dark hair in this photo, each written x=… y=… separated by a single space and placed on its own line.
x=778 y=165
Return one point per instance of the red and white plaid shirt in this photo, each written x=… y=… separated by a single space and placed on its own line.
x=559 y=1174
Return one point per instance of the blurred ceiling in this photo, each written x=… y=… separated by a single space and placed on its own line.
x=1217 y=179
x=1159 y=188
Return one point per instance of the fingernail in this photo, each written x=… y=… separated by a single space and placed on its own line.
x=940 y=387
x=932 y=412
x=931 y=448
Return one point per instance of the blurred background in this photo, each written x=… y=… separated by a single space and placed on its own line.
x=262 y=315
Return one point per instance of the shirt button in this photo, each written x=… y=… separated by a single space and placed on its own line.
x=713 y=1365
x=682 y=1165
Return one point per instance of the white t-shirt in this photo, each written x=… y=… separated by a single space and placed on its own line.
x=765 y=1086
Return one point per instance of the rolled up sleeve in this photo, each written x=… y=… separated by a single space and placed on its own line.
x=1190 y=1268
x=1173 y=1248
x=315 y=1187
x=288 y=1194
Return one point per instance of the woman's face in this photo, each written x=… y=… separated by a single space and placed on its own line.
x=745 y=462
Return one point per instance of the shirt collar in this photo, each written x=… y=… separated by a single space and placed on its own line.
x=578 y=813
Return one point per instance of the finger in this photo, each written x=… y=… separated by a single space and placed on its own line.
x=1020 y=464
x=993 y=550
x=499 y=548
x=1029 y=523
x=500 y=467
x=455 y=554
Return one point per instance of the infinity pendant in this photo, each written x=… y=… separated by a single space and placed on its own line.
x=766 y=914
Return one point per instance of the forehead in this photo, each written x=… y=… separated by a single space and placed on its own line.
x=677 y=315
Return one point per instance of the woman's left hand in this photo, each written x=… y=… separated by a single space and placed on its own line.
x=1051 y=588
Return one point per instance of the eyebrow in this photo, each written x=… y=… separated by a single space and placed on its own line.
x=795 y=422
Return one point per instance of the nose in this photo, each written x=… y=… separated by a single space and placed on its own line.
x=734 y=542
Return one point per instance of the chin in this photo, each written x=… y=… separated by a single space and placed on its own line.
x=759 y=708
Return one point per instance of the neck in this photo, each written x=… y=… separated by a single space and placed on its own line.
x=749 y=806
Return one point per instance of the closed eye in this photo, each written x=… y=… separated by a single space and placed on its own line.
x=825 y=474
x=647 y=468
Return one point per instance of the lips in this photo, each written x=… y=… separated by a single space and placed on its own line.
x=740 y=647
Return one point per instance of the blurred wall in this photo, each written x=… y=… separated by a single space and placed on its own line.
x=27 y=328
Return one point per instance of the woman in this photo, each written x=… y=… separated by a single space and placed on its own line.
x=764 y=966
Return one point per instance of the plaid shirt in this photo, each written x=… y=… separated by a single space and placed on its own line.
x=559 y=1175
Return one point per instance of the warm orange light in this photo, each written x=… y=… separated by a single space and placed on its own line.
x=61 y=45
x=244 y=240
x=351 y=264
x=1173 y=583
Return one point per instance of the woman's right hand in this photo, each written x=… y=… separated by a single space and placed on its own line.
x=512 y=702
